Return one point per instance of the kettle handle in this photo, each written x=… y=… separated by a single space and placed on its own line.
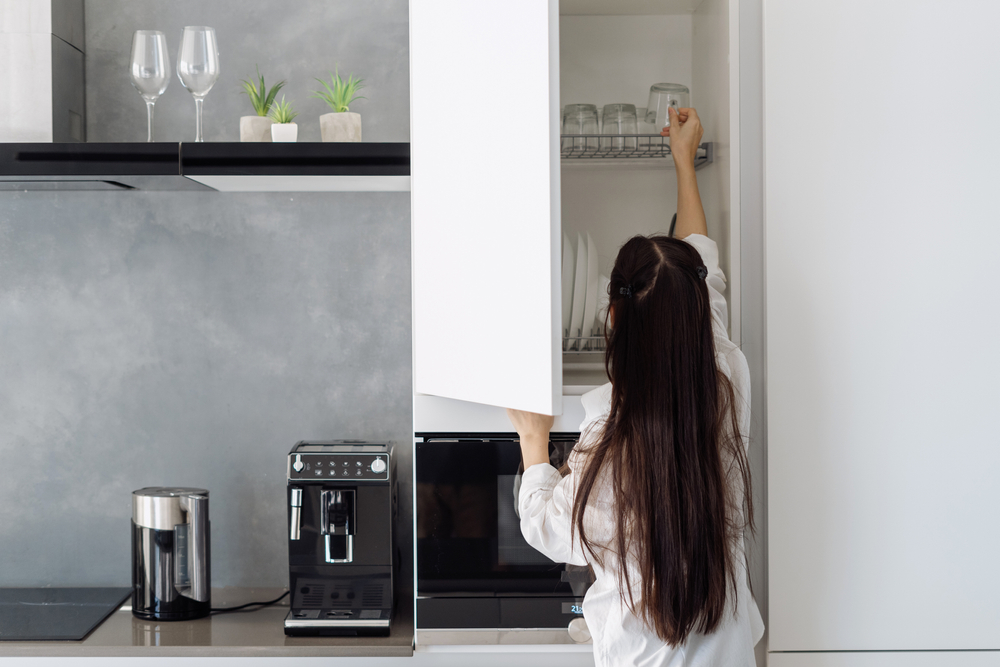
x=198 y=548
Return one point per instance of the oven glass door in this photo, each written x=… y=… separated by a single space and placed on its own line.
x=468 y=530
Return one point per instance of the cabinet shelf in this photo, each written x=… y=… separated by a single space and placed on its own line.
x=224 y=166
x=626 y=149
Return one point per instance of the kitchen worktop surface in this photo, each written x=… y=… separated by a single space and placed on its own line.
x=238 y=634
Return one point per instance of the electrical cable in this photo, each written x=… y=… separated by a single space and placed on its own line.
x=222 y=610
x=673 y=223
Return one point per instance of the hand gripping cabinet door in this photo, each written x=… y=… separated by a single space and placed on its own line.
x=341 y=543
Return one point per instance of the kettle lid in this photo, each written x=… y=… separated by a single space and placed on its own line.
x=164 y=507
x=169 y=491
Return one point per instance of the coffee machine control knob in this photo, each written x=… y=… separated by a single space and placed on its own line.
x=298 y=465
x=378 y=466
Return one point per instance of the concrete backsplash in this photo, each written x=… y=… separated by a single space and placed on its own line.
x=169 y=338
x=293 y=41
x=188 y=339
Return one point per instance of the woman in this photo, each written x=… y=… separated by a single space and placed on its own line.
x=660 y=473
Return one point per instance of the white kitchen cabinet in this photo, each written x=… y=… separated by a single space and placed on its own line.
x=492 y=199
x=882 y=359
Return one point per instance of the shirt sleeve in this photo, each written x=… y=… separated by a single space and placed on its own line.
x=546 y=507
x=716 y=279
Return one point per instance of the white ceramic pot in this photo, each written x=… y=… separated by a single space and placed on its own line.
x=344 y=126
x=285 y=132
x=255 y=128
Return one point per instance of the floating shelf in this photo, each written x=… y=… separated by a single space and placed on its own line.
x=632 y=149
x=224 y=166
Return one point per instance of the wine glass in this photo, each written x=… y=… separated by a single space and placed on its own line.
x=198 y=66
x=150 y=69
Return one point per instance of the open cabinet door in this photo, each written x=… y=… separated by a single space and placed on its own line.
x=484 y=145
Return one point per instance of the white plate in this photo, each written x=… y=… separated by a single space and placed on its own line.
x=579 y=288
x=568 y=269
x=590 y=305
x=602 y=302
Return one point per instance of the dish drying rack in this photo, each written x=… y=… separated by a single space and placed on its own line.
x=584 y=344
x=583 y=353
x=625 y=147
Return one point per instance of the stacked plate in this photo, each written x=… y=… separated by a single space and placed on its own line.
x=584 y=292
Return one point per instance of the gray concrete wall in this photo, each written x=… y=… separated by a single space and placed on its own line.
x=177 y=338
x=188 y=339
x=296 y=41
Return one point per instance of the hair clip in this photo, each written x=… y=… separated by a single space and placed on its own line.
x=627 y=291
x=702 y=272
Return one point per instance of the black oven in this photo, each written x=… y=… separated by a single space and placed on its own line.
x=474 y=568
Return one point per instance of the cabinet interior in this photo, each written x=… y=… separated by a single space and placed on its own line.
x=611 y=52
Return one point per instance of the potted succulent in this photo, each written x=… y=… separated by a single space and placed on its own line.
x=283 y=128
x=258 y=128
x=342 y=124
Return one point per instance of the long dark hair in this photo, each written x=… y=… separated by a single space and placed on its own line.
x=671 y=447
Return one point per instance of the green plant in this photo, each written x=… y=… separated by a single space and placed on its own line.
x=282 y=112
x=260 y=100
x=342 y=93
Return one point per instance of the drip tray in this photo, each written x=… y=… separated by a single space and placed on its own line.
x=44 y=614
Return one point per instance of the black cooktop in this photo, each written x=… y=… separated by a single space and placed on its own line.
x=42 y=614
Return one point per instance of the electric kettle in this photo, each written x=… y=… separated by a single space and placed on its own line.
x=171 y=575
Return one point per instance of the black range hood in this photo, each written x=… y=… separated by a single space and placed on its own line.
x=245 y=167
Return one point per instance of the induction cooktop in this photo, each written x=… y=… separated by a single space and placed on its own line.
x=43 y=614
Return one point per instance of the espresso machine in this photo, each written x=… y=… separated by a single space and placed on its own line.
x=341 y=553
x=171 y=575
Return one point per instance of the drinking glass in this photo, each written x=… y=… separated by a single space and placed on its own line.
x=662 y=96
x=620 y=119
x=580 y=119
x=150 y=69
x=198 y=66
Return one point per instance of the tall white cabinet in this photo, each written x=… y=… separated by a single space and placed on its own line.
x=882 y=356
x=492 y=197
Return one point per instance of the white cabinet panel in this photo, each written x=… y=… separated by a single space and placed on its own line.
x=887 y=659
x=485 y=194
x=882 y=357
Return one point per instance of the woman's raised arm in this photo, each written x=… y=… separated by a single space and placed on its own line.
x=685 y=133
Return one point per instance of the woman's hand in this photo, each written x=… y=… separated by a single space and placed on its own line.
x=533 y=430
x=685 y=134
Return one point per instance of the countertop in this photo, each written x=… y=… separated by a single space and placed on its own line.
x=236 y=634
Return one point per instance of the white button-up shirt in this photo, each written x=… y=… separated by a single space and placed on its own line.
x=546 y=508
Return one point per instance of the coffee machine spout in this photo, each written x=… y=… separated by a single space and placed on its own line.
x=337 y=517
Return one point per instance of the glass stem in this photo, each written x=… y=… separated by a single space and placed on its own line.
x=149 y=119
x=198 y=132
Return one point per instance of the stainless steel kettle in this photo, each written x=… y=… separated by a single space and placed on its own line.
x=171 y=550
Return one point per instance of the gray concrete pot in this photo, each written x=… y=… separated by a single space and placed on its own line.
x=255 y=128
x=344 y=126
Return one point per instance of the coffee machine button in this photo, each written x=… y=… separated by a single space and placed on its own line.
x=357 y=463
x=318 y=471
x=378 y=466
x=298 y=465
x=358 y=473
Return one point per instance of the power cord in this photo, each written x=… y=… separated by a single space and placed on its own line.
x=261 y=605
